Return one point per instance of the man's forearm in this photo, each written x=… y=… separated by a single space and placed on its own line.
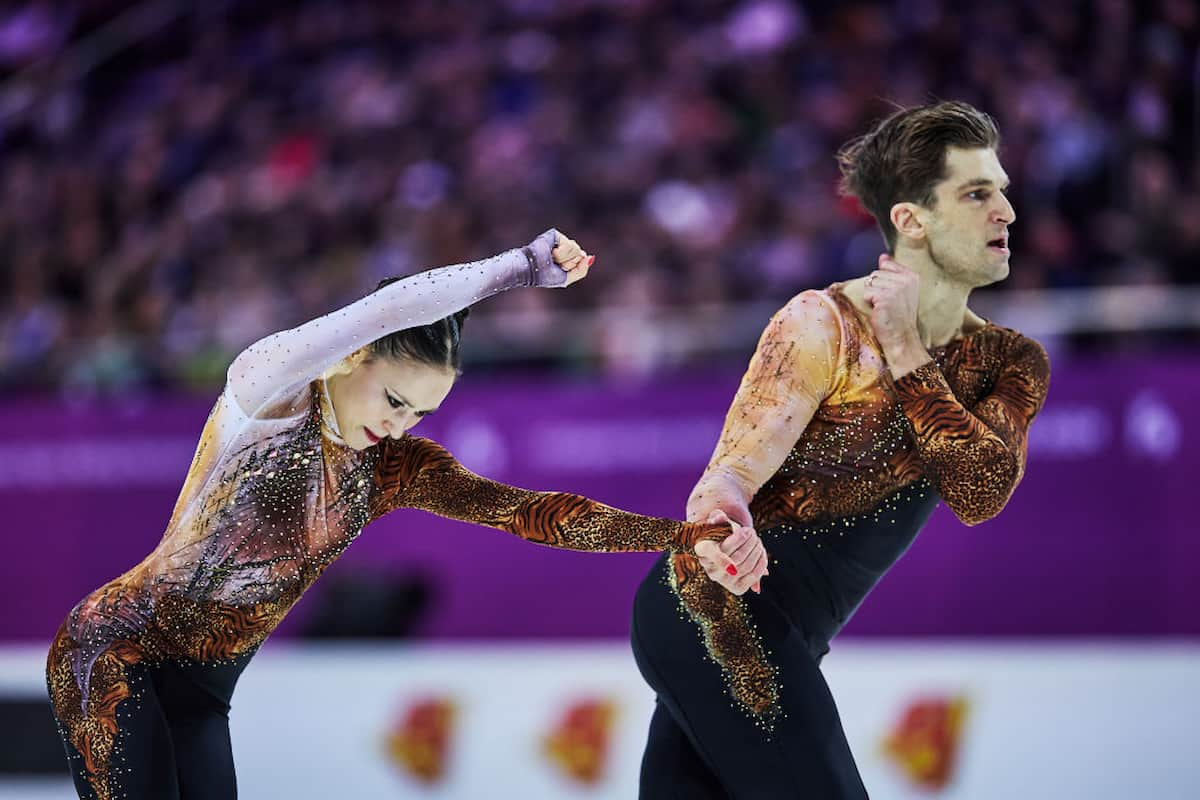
x=905 y=356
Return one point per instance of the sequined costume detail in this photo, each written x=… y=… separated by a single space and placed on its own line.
x=818 y=406
x=274 y=495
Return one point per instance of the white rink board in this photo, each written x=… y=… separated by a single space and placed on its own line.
x=1101 y=721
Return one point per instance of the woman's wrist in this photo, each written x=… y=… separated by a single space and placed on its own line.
x=691 y=533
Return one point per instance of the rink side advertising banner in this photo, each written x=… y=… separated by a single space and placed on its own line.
x=992 y=720
x=1099 y=539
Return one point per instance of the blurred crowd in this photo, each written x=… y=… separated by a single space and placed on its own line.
x=249 y=166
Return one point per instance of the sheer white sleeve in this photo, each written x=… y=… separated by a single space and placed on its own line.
x=273 y=369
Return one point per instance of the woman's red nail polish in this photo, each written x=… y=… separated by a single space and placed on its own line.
x=731 y=569
x=591 y=260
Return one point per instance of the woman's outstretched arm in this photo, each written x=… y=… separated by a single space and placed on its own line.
x=417 y=473
x=279 y=363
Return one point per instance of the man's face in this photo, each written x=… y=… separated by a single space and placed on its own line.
x=967 y=228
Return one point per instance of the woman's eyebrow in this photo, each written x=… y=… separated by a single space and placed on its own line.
x=406 y=401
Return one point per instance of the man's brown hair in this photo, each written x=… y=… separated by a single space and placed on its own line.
x=903 y=157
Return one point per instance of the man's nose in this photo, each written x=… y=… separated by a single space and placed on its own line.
x=1005 y=211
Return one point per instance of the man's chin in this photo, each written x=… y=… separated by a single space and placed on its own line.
x=996 y=272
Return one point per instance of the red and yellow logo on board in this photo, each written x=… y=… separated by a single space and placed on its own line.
x=924 y=743
x=420 y=741
x=578 y=743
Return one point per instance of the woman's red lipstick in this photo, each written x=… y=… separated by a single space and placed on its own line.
x=372 y=438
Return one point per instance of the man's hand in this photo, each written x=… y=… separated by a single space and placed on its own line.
x=739 y=562
x=894 y=292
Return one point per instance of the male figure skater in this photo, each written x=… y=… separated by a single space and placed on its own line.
x=864 y=404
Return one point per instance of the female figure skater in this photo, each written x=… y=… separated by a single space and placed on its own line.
x=864 y=404
x=305 y=446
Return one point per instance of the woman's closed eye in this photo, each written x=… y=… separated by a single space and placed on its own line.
x=396 y=402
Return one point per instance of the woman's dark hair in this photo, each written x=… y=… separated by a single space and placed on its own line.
x=435 y=344
x=903 y=157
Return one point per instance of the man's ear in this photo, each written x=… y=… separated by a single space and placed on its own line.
x=909 y=220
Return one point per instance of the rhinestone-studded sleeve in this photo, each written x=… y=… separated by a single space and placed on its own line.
x=976 y=457
x=418 y=473
x=793 y=369
x=791 y=372
x=284 y=362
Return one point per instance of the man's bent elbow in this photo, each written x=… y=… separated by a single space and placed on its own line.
x=980 y=501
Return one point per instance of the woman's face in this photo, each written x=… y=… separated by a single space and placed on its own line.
x=383 y=397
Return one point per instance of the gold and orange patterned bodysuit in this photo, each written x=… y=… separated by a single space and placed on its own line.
x=844 y=466
x=272 y=497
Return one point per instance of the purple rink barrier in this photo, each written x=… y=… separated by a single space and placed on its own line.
x=1099 y=539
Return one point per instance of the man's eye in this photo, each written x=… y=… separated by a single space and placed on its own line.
x=978 y=194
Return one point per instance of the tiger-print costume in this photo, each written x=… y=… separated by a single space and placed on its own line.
x=252 y=532
x=959 y=422
x=418 y=473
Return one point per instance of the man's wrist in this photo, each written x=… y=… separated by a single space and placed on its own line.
x=904 y=357
x=717 y=491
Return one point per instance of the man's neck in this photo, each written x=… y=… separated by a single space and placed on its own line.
x=942 y=309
